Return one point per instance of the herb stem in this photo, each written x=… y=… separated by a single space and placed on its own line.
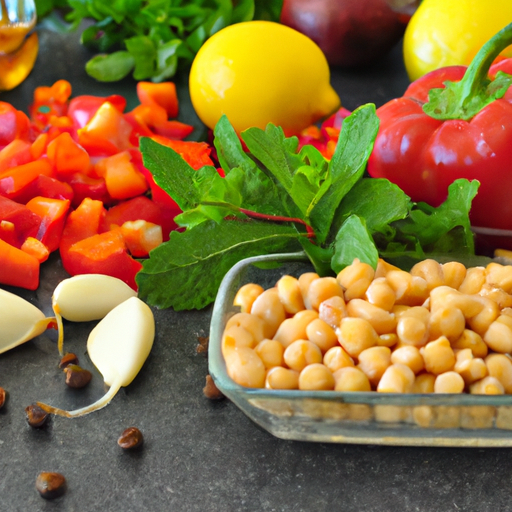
x=279 y=218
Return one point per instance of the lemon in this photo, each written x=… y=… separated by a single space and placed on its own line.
x=450 y=32
x=261 y=72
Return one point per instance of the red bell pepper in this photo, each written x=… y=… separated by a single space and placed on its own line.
x=14 y=124
x=82 y=108
x=13 y=182
x=67 y=156
x=463 y=131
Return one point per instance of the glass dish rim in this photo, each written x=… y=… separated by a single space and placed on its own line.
x=222 y=309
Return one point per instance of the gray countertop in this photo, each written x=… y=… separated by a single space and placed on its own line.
x=201 y=455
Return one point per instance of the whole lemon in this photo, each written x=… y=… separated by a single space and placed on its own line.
x=261 y=72
x=450 y=32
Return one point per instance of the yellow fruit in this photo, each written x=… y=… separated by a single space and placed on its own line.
x=450 y=32
x=260 y=72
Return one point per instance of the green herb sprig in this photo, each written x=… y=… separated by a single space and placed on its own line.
x=274 y=199
x=149 y=38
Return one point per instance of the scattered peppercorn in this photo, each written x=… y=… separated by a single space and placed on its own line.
x=130 y=438
x=36 y=417
x=2 y=397
x=50 y=485
x=211 y=391
x=68 y=359
x=76 y=376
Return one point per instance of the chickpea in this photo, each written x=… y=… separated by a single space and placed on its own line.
x=236 y=336
x=487 y=386
x=474 y=280
x=481 y=322
x=383 y=267
x=332 y=310
x=289 y=292
x=336 y=358
x=316 y=377
x=246 y=296
x=505 y=319
x=499 y=276
x=502 y=298
x=268 y=307
x=424 y=383
x=431 y=271
x=351 y=379
x=449 y=382
x=410 y=356
x=500 y=367
x=444 y=296
x=498 y=337
x=282 y=378
x=245 y=367
x=305 y=281
x=270 y=352
x=321 y=334
x=356 y=334
x=387 y=340
x=409 y=290
x=300 y=353
x=398 y=378
x=470 y=368
x=438 y=356
x=470 y=339
x=381 y=320
x=373 y=362
x=358 y=272
x=411 y=331
x=294 y=328
x=448 y=321
x=420 y=312
x=321 y=289
x=454 y=274
x=380 y=294
x=251 y=323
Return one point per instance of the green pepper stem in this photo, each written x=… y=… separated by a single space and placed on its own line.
x=464 y=99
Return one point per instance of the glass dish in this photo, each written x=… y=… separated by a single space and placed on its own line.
x=351 y=417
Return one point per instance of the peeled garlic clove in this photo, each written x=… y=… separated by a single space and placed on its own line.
x=20 y=321
x=118 y=346
x=87 y=297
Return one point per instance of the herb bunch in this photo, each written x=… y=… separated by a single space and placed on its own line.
x=149 y=38
x=276 y=199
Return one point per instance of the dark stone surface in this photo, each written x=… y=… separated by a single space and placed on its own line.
x=200 y=455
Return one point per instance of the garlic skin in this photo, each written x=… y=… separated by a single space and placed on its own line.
x=120 y=344
x=20 y=321
x=88 y=297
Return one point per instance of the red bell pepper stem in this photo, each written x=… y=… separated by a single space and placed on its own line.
x=464 y=99
x=278 y=218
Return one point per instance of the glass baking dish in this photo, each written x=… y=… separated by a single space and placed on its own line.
x=351 y=417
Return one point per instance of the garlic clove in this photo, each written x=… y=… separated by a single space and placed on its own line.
x=20 y=321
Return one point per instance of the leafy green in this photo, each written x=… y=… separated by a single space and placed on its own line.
x=276 y=198
x=149 y=38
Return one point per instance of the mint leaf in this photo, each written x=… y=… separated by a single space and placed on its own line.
x=353 y=241
x=171 y=172
x=378 y=201
x=110 y=68
x=185 y=272
x=346 y=167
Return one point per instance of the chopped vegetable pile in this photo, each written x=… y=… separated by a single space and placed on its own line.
x=72 y=178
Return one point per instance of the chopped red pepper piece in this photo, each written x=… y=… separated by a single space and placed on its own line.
x=141 y=237
x=25 y=221
x=13 y=182
x=82 y=108
x=161 y=94
x=36 y=248
x=67 y=156
x=53 y=213
x=18 y=268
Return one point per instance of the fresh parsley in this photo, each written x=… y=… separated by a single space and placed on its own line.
x=275 y=198
x=149 y=38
